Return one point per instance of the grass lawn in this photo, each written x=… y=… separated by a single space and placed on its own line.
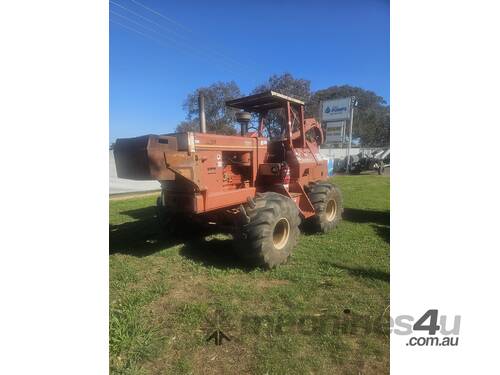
x=167 y=296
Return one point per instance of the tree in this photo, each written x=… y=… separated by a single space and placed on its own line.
x=188 y=126
x=285 y=84
x=372 y=115
x=371 y=121
x=219 y=118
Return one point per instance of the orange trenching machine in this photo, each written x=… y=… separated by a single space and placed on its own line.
x=256 y=186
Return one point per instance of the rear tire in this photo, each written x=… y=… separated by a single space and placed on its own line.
x=272 y=230
x=175 y=224
x=328 y=205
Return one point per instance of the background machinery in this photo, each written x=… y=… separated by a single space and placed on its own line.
x=258 y=186
x=378 y=160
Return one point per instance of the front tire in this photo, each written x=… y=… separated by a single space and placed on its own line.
x=272 y=230
x=328 y=205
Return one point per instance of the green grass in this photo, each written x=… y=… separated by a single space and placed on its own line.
x=164 y=294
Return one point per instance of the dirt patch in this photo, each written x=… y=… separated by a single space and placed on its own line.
x=182 y=290
x=257 y=284
x=189 y=289
x=230 y=358
x=269 y=283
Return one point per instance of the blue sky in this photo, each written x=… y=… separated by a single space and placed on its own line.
x=183 y=45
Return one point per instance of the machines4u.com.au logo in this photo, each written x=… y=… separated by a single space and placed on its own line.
x=431 y=329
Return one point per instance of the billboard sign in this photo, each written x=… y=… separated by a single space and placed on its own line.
x=336 y=109
x=335 y=131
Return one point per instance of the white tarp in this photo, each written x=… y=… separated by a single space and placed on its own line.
x=121 y=185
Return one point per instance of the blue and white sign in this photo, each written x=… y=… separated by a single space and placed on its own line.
x=336 y=110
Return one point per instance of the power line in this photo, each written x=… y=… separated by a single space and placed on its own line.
x=136 y=31
x=161 y=15
x=183 y=38
x=159 y=40
x=247 y=67
x=193 y=50
x=145 y=18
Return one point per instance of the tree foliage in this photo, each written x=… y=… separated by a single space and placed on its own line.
x=371 y=117
x=285 y=84
x=219 y=118
x=188 y=126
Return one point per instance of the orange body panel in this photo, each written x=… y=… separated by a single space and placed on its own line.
x=204 y=172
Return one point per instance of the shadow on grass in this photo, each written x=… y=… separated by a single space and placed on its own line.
x=139 y=238
x=141 y=213
x=356 y=215
x=380 y=220
x=362 y=272
x=215 y=252
x=383 y=231
x=144 y=237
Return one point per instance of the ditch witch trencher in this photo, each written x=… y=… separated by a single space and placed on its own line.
x=256 y=186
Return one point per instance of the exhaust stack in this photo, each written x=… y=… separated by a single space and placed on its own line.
x=201 y=105
x=243 y=118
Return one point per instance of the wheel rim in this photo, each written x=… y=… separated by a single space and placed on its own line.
x=281 y=233
x=331 y=210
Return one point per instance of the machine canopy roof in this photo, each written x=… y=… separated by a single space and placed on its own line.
x=262 y=102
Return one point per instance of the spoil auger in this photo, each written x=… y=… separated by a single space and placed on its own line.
x=258 y=185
